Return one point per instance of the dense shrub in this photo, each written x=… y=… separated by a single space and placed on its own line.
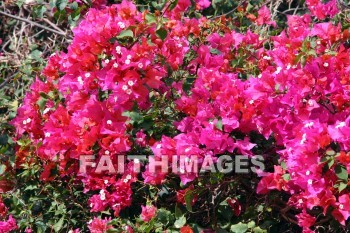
x=174 y=82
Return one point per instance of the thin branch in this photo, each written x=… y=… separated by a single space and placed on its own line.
x=6 y=81
x=229 y=12
x=343 y=4
x=53 y=25
x=32 y=23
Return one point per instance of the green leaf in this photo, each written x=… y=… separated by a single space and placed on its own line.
x=19 y=3
x=219 y=125
x=239 y=228
x=61 y=4
x=39 y=11
x=341 y=172
x=31 y=187
x=173 y=4
x=42 y=103
x=134 y=117
x=215 y=51
x=330 y=162
x=113 y=230
x=36 y=55
x=226 y=212
x=221 y=231
x=342 y=186
x=277 y=87
x=58 y=225
x=180 y=222
x=251 y=224
x=2 y=169
x=259 y=230
x=178 y=212
x=44 y=95
x=330 y=152
x=303 y=61
x=125 y=34
x=150 y=19
x=162 y=33
x=74 y=6
x=156 y=5
x=163 y=216
x=188 y=199
x=286 y=176
x=41 y=227
x=284 y=165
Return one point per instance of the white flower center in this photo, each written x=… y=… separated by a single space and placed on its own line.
x=121 y=25
x=80 y=80
x=340 y=125
x=118 y=49
x=278 y=70
x=46 y=110
x=102 y=195
x=130 y=83
x=303 y=139
x=308 y=125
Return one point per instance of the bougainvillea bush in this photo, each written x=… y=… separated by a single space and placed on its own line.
x=172 y=82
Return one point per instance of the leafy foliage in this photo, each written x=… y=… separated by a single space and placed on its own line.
x=165 y=82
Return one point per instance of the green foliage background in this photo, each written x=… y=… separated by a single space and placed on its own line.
x=45 y=207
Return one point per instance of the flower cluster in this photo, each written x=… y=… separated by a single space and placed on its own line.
x=9 y=224
x=216 y=86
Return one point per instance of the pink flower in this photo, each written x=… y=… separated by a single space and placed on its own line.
x=98 y=225
x=305 y=220
x=8 y=226
x=203 y=3
x=148 y=212
x=235 y=206
x=342 y=212
x=3 y=209
x=181 y=194
x=264 y=17
x=128 y=229
x=320 y=10
x=141 y=138
x=98 y=202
